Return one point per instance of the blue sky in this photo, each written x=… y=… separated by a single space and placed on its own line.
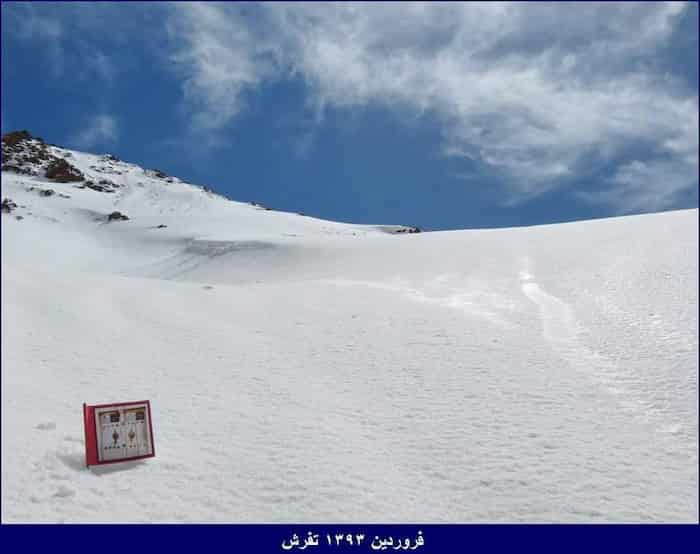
x=443 y=116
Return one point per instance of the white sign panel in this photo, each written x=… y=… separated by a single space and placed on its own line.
x=123 y=431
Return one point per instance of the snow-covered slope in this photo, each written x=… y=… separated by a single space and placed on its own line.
x=305 y=370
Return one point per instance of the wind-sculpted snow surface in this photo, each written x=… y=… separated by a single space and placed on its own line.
x=304 y=370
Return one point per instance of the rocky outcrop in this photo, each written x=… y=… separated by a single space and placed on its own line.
x=157 y=173
x=102 y=186
x=117 y=216
x=15 y=137
x=41 y=192
x=61 y=171
x=409 y=230
x=7 y=205
x=22 y=153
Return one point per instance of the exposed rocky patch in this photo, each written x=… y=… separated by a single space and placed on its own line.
x=103 y=185
x=15 y=137
x=409 y=230
x=22 y=153
x=261 y=207
x=117 y=216
x=42 y=192
x=16 y=169
x=157 y=173
x=106 y=169
x=61 y=171
x=7 y=205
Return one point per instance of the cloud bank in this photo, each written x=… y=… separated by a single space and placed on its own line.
x=538 y=93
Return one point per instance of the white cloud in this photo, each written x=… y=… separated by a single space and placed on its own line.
x=62 y=32
x=532 y=90
x=641 y=186
x=101 y=130
x=26 y=22
x=220 y=58
x=97 y=64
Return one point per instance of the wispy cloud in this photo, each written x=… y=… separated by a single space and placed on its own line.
x=532 y=91
x=27 y=22
x=220 y=60
x=535 y=93
x=66 y=33
x=101 y=130
x=98 y=65
x=643 y=186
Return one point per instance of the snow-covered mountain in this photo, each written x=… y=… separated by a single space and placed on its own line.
x=306 y=370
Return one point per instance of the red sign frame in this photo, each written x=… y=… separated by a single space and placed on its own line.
x=90 y=426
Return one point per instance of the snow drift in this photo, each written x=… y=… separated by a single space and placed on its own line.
x=306 y=370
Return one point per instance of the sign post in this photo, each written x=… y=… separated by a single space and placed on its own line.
x=118 y=432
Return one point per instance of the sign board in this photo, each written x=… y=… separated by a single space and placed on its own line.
x=118 y=432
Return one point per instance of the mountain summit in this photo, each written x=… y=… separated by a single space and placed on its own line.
x=29 y=164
